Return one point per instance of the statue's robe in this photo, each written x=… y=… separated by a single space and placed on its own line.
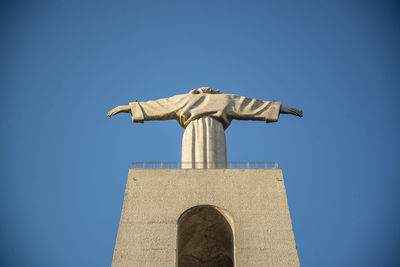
x=204 y=118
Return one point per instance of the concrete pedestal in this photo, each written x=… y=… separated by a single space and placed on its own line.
x=253 y=201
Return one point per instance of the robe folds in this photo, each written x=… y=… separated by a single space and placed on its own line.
x=204 y=118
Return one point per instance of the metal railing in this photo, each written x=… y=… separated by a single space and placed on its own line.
x=214 y=165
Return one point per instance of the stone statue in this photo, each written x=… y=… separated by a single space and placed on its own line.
x=205 y=113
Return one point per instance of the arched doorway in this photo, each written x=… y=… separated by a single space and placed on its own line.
x=205 y=238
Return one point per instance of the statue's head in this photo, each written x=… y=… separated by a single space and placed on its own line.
x=205 y=90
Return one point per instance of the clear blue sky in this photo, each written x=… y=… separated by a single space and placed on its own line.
x=64 y=163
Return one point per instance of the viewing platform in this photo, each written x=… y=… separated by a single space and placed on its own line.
x=209 y=165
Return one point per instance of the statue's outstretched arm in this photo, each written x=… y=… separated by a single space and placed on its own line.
x=119 y=109
x=290 y=110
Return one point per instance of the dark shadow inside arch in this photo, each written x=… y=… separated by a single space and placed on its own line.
x=205 y=239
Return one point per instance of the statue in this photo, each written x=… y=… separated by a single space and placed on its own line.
x=205 y=113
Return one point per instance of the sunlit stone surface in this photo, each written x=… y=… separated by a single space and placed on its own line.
x=204 y=113
x=252 y=201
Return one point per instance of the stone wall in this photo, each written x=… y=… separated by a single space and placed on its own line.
x=254 y=200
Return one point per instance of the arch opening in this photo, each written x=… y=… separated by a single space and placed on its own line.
x=205 y=238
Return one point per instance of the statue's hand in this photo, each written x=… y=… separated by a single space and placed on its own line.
x=119 y=109
x=296 y=112
x=113 y=112
x=290 y=110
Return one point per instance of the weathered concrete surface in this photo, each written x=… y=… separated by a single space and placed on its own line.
x=255 y=199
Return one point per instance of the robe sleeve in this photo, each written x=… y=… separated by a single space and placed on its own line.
x=161 y=109
x=244 y=108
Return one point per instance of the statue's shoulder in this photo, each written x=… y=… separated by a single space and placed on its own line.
x=231 y=96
